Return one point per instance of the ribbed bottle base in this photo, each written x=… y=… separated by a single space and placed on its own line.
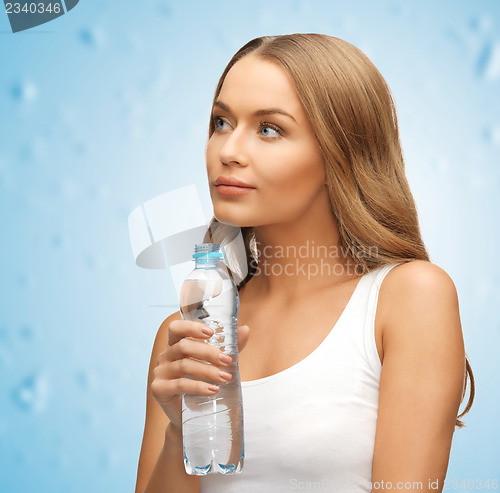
x=213 y=468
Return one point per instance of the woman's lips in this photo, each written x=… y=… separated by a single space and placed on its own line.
x=232 y=190
x=229 y=186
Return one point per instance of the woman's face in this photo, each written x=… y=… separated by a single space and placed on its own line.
x=264 y=143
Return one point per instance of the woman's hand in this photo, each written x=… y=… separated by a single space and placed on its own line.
x=186 y=356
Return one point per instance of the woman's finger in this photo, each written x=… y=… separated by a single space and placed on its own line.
x=189 y=348
x=162 y=389
x=191 y=368
x=179 y=329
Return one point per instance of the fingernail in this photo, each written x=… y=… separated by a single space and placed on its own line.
x=225 y=358
x=225 y=376
x=207 y=330
x=213 y=388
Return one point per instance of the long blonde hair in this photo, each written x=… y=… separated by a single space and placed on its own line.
x=352 y=113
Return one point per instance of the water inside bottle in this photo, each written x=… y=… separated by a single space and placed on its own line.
x=212 y=426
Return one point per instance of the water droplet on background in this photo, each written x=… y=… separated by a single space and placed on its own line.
x=91 y=37
x=4 y=352
x=32 y=393
x=3 y=333
x=99 y=191
x=89 y=261
x=86 y=380
x=85 y=418
x=455 y=37
x=5 y=357
x=492 y=135
x=394 y=8
x=60 y=461
x=480 y=23
x=488 y=63
x=24 y=91
x=82 y=379
x=26 y=332
x=3 y=169
x=25 y=280
x=110 y=458
x=164 y=9
x=80 y=147
x=56 y=241
x=3 y=428
x=34 y=150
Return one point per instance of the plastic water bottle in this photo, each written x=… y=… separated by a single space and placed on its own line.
x=212 y=426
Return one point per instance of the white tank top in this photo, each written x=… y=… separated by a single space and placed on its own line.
x=312 y=426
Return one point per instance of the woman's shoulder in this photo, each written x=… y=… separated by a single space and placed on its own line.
x=414 y=292
x=417 y=277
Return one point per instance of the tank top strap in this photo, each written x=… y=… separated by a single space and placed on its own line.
x=369 y=299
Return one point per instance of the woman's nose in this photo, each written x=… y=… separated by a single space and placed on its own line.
x=235 y=149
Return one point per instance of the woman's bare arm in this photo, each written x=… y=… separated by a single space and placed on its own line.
x=161 y=468
x=421 y=381
x=178 y=365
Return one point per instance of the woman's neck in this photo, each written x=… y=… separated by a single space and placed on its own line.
x=301 y=256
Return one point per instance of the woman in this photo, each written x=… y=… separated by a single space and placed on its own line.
x=349 y=383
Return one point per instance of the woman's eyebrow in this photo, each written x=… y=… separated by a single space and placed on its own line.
x=267 y=111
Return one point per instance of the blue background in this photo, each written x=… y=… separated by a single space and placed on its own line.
x=107 y=107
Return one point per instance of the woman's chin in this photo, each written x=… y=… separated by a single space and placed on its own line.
x=227 y=222
x=230 y=220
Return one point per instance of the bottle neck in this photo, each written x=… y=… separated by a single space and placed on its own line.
x=207 y=263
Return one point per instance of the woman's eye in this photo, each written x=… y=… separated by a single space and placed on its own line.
x=220 y=124
x=270 y=131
